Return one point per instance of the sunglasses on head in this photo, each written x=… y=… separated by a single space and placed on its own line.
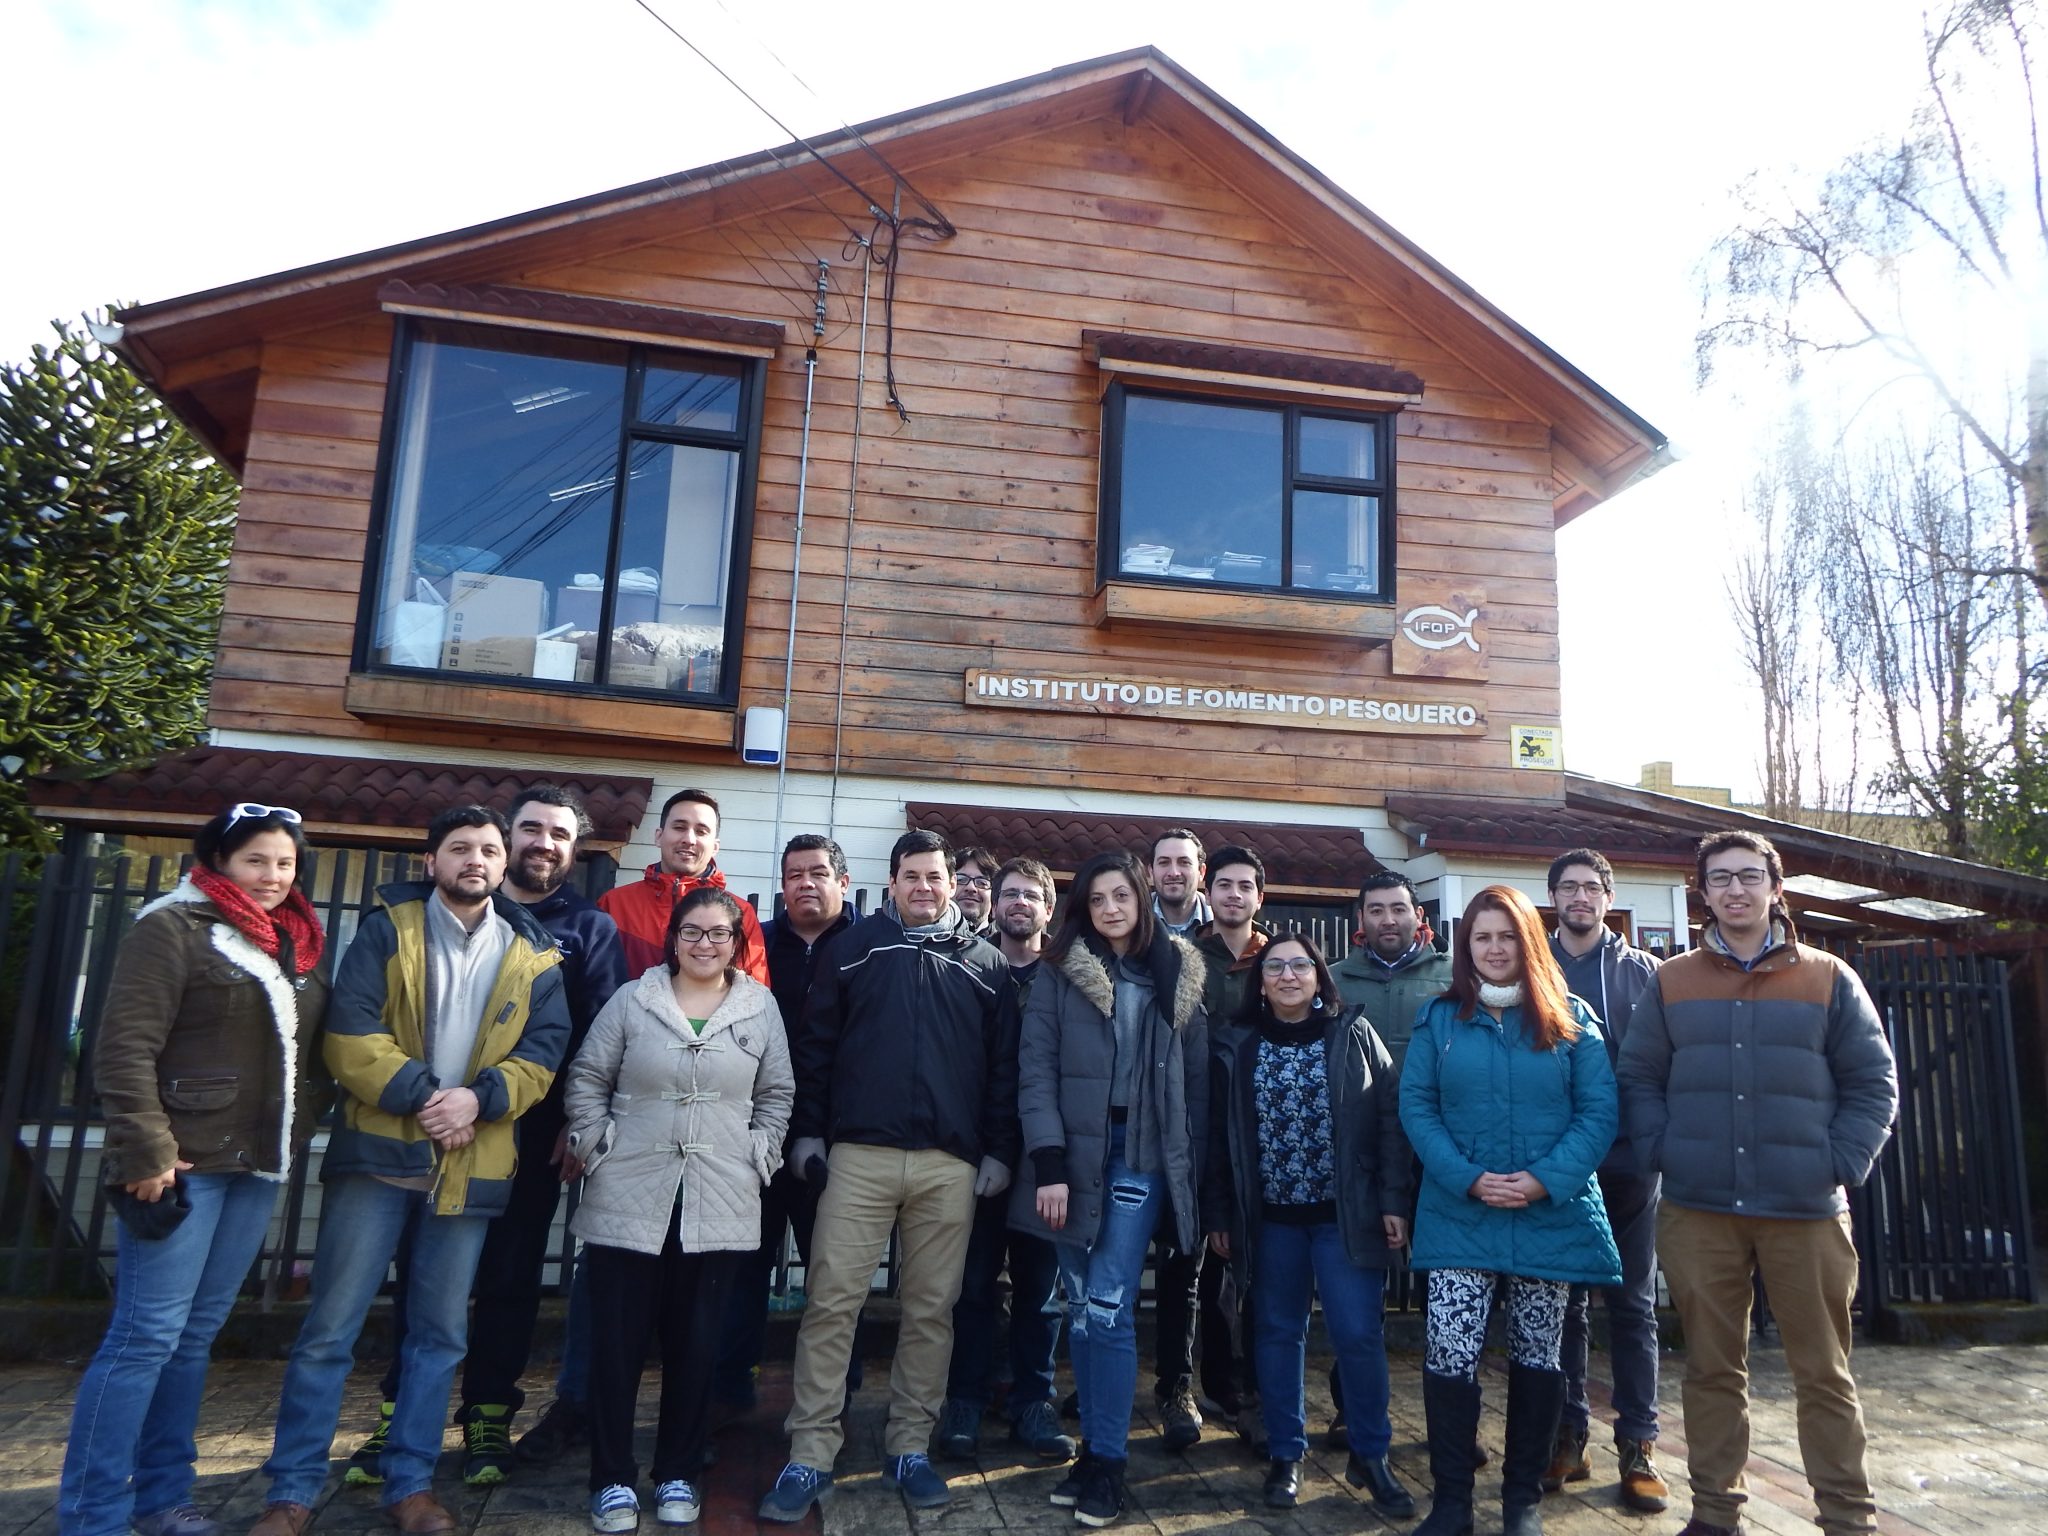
x=249 y=810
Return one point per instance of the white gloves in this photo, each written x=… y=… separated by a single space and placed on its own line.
x=993 y=1178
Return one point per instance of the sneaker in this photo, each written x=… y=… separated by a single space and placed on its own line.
x=1642 y=1488
x=917 y=1480
x=676 y=1502
x=1180 y=1421
x=1067 y=1492
x=1037 y=1426
x=616 y=1508
x=366 y=1466
x=1568 y=1461
x=183 y=1520
x=561 y=1429
x=1102 y=1500
x=486 y=1444
x=795 y=1491
x=959 y=1428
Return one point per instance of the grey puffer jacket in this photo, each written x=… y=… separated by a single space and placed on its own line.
x=676 y=1126
x=1066 y=1060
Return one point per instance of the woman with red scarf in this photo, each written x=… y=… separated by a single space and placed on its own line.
x=210 y=1078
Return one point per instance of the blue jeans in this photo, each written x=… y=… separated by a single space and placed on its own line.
x=1287 y=1260
x=1101 y=1282
x=361 y=1221
x=138 y=1403
x=1034 y=1315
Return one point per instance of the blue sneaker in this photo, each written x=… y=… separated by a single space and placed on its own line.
x=676 y=1502
x=795 y=1491
x=615 y=1509
x=917 y=1480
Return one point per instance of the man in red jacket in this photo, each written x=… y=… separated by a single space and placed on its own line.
x=688 y=845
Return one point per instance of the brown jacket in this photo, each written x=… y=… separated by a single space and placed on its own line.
x=200 y=1035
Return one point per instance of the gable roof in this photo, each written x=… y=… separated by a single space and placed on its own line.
x=201 y=351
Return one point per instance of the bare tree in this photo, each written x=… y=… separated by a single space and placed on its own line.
x=1903 y=237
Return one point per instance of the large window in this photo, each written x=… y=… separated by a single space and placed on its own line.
x=1219 y=493
x=563 y=512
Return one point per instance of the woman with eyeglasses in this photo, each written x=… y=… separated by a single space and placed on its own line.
x=209 y=1075
x=1112 y=1089
x=1307 y=1191
x=1508 y=1097
x=678 y=1104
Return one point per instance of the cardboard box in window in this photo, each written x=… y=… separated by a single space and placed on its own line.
x=579 y=606
x=492 y=624
x=632 y=666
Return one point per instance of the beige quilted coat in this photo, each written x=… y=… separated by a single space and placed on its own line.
x=674 y=1126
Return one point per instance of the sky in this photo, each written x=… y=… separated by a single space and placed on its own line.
x=1573 y=161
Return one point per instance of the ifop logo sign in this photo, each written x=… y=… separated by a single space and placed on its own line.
x=1437 y=628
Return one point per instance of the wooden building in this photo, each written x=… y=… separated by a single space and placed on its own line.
x=1210 y=497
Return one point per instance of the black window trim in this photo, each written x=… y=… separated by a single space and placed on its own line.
x=745 y=440
x=1109 y=511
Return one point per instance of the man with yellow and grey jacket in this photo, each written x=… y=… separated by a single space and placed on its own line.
x=447 y=1022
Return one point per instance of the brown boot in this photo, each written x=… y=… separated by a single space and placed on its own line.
x=1568 y=1463
x=1642 y=1489
x=282 y=1520
x=418 y=1513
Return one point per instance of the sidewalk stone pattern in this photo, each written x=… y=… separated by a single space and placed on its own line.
x=1959 y=1445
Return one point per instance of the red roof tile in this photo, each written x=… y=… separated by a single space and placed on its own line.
x=1328 y=858
x=342 y=795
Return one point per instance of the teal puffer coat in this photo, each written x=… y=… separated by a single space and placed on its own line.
x=1477 y=1097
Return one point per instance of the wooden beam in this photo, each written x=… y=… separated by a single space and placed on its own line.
x=1130 y=602
x=1140 y=92
x=210 y=366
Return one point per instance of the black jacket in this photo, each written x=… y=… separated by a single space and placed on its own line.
x=593 y=968
x=910 y=1041
x=793 y=964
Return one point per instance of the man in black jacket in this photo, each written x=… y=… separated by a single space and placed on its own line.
x=814 y=913
x=906 y=1073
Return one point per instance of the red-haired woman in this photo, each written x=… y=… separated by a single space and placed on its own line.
x=1508 y=1099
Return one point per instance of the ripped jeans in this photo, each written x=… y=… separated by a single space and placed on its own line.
x=1101 y=1285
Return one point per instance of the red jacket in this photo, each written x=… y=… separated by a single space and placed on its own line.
x=642 y=911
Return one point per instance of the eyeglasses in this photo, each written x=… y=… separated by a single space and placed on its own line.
x=1570 y=888
x=1025 y=893
x=1751 y=878
x=249 y=810
x=690 y=933
x=975 y=882
x=1299 y=965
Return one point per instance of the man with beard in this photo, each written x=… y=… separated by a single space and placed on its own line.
x=1023 y=910
x=447 y=1024
x=1610 y=974
x=815 y=882
x=1393 y=969
x=547 y=823
x=1177 y=872
x=906 y=1077
x=974 y=889
x=687 y=842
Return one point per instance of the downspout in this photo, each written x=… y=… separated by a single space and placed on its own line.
x=796 y=564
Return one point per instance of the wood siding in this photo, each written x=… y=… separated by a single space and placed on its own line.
x=973 y=536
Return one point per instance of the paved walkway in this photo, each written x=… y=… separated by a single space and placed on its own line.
x=1959 y=1445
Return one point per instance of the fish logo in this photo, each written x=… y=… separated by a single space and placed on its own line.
x=1436 y=628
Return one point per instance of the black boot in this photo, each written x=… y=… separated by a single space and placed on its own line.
x=1452 y=1409
x=1535 y=1402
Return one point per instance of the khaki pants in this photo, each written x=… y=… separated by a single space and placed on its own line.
x=929 y=1196
x=1809 y=1272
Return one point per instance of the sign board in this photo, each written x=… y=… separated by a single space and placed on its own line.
x=1439 y=631
x=1536 y=746
x=1382 y=707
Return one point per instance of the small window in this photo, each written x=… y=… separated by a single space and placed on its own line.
x=512 y=549
x=1229 y=494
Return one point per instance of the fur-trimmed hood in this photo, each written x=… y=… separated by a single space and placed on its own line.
x=1178 y=972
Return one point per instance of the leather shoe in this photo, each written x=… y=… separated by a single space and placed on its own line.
x=282 y=1520
x=1283 y=1484
x=1701 y=1528
x=1378 y=1479
x=420 y=1512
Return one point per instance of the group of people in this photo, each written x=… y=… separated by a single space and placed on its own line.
x=1158 y=1080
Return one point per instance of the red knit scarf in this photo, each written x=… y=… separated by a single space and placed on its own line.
x=295 y=919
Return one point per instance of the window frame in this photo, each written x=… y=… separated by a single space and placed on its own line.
x=744 y=441
x=1293 y=480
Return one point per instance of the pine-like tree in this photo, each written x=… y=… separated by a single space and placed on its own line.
x=115 y=530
